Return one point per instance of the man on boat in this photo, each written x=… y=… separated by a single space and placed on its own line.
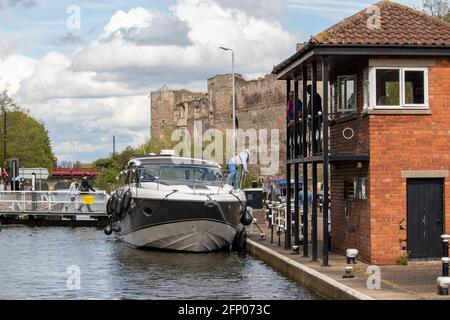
x=242 y=159
x=84 y=190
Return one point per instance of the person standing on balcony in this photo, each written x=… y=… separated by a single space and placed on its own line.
x=84 y=190
x=317 y=117
x=241 y=160
x=290 y=114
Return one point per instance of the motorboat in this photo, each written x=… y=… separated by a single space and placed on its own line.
x=177 y=203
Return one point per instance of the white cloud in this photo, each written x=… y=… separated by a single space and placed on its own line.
x=146 y=28
x=102 y=90
x=258 y=44
x=261 y=8
x=53 y=79
x=13 y=69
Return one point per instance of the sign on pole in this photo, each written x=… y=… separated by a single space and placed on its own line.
x=27 y=173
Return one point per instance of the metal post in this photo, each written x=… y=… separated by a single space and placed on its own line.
x=314 y=164
x=234 y=95
x=305 y=164
x=325 y=149
x=13 y=175
x=296 y=168
x=114 y=146
x=234 y=100
x=33 y=194
x=287 y=232
x=4 y=131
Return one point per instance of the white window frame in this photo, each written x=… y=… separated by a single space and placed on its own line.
x=366 y=89
x=403 y=105
x=425 y=91
x=338 y=92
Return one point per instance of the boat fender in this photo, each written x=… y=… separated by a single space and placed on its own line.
x=114 y=203
x=108 y=230
x=246 y=218
x=126 y=200
x=240 y=239
x=118 y=206
x=109 y=209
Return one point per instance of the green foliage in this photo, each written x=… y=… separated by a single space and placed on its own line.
x=402 y=260
x=27 y=138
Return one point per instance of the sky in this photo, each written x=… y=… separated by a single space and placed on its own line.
x=86 y=68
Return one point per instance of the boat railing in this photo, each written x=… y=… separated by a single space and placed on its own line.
x=52 y=202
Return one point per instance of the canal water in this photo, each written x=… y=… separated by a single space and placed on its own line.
x=44 y=263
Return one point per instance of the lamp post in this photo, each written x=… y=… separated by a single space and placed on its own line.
x=234 y=95
x=4 y=129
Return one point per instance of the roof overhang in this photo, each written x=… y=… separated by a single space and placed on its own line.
x=291 y=67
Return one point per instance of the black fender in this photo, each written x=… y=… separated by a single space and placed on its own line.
x=118 y=205
x=246 y=217
x=126 y=200
x=240 y=239
x=109 y=206
x=113 y=203
x=108 y=230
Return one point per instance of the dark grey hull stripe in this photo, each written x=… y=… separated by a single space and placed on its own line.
x=172 y=222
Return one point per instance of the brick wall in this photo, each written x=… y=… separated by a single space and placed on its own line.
x=349 y=218
x=406 y=142
x=396 y=143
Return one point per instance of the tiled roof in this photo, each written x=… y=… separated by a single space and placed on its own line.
x=400 y=25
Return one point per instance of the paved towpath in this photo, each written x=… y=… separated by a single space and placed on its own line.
x=411 y=282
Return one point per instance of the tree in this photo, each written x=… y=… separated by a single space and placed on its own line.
x=437 y=8
x=7 y=102
x=27 y=138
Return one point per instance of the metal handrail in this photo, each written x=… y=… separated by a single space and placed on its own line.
x=47 y=201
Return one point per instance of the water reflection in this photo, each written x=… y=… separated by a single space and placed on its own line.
x=34 y=264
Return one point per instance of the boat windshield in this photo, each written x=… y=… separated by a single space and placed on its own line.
x=173 y=173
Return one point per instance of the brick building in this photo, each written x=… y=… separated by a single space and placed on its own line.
x=386 y=116
x=259 y=105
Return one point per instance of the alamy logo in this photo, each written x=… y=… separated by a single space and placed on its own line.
x=74 y=277
x=74 y=20
x=374 y=281
x=263 y=145
x=374 y=21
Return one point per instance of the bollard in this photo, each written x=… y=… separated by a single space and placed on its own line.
x=445 y=239
x=443 y=283
x=351 y=255
x=348 y=272
x=445 y=262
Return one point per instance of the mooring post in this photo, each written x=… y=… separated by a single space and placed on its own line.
x=445 y=259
